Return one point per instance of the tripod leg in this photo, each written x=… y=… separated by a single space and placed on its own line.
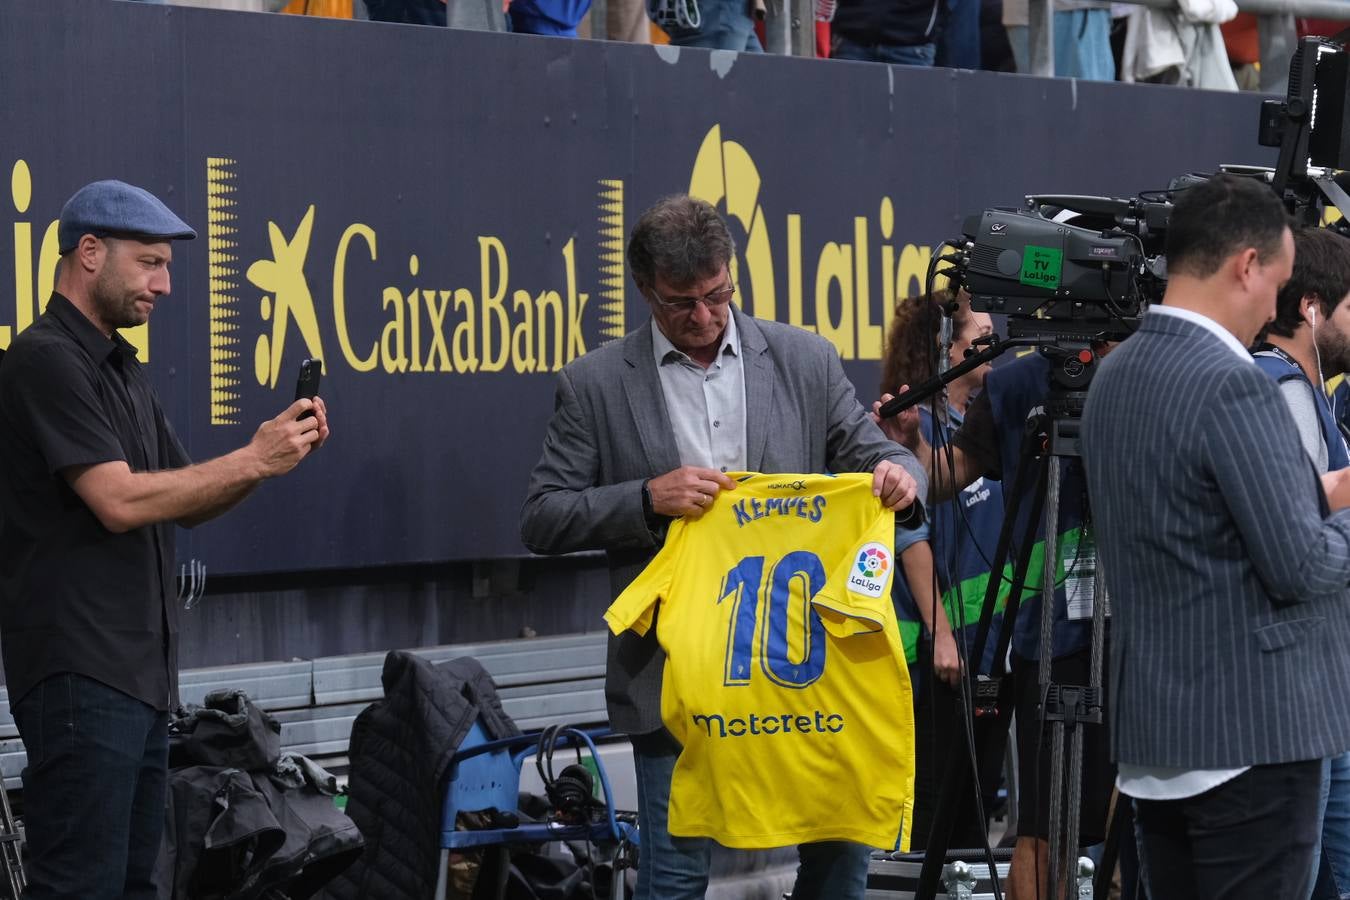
x=1054 y=833
x=1028 y=457
x=1049 y=569
x=13 y=849
x=956 y=772
x=1071 y=829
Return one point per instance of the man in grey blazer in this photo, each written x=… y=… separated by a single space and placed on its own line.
x=1226 y=570
x=644 y=430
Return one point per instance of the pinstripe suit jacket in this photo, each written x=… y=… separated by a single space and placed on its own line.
x=610 y=432
x=1230 y=644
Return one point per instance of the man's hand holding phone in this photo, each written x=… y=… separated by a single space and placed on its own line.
x=302 y=428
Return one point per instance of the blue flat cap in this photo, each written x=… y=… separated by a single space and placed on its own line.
x=117 y=208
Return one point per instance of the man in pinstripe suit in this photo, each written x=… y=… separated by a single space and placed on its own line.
x=1227 y=571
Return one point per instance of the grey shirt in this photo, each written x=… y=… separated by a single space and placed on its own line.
x=1303 y=405
x=706 y=406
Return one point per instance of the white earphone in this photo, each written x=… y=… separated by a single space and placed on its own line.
x=1312 y=316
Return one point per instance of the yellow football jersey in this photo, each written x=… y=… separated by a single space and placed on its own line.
x=785 y=678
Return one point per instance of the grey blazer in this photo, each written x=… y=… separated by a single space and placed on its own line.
x=610 y=432
x=1230 y=644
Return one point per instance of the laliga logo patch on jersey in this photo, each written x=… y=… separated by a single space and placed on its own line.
x=869 y=573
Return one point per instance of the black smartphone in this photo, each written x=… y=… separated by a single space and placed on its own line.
x=307 y=385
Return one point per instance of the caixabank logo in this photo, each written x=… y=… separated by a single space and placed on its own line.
x=265 y=310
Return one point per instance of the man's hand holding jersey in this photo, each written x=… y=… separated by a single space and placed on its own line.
x=893 y=485
x=687 y=491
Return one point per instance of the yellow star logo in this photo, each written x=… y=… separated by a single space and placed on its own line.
x=283 y=276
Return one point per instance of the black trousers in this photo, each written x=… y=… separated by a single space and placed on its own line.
x=1252 y=837
x=93 y=790
x=939 y=735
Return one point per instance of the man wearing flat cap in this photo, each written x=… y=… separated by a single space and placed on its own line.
x=92 y=481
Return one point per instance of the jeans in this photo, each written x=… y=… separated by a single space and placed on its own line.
x=1336 y=822
x=724 y=25
x=93 y=790
x=959 y=46
x=899 y=54
x=676 y=868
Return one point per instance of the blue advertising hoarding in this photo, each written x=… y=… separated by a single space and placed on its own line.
x=441 y=216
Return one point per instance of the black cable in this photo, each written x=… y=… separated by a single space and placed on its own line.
x=968 y=676
x=938 y=420
x=930 y=676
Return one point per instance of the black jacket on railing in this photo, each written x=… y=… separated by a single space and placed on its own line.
x=400 y=754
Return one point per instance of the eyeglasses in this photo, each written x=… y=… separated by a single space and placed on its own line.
x=715 y=300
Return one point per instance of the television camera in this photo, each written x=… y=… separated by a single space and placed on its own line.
x=1069 y=272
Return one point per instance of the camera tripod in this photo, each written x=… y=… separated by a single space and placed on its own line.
x=1050 y=438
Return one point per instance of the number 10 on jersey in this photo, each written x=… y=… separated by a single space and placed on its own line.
x=794 y=581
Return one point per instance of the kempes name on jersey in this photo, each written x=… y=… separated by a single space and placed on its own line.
x=810 y=508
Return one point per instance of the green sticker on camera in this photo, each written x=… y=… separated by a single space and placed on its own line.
x=1042 y=266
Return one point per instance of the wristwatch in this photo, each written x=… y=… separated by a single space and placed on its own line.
x=647 y=511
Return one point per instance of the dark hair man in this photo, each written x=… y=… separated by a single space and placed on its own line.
x=92 y=481
x=1226 y=571
x=1307 y=343
x=643 y=431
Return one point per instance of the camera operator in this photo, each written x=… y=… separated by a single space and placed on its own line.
x=962 y=539
x=1306 y=343
x=1228 y=574
x=988 y=444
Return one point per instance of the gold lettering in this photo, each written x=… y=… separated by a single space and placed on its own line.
x=21 y=192
x=835 y=265
x=23 y=275
x=340 y=297
x=415 y=321
x=494 y=306
x=913 y=267
x=522 y=338
x=552 y=301
x=888 y=297
x=869 y=335
x=794 y=227
x=436 y=314
x=465 y=350
x=394 y=358
x=576 y=303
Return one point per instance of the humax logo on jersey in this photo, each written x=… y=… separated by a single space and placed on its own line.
x=872 y=569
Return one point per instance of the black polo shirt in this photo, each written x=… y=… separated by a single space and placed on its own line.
x=74 y=597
